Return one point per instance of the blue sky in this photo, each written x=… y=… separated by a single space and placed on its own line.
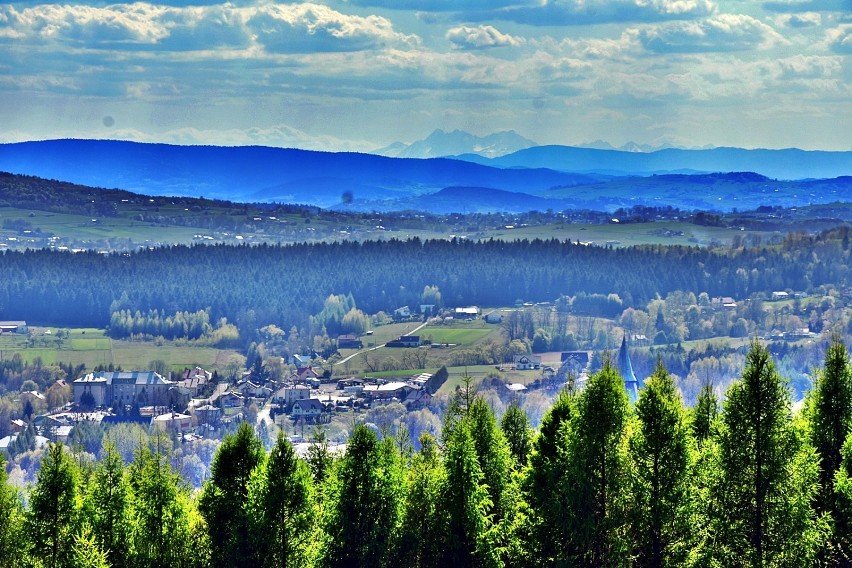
x=360 y=74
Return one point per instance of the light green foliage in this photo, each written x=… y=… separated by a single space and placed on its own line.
x=831 y=416
x=660 y=451
x=422 y=526
x=704 y=413
x=52 y=516
x=516 y=428
x=11 y=515
x=222 y=503
x=363 y=521
x=86 y=553
x=843 y=499
x=108 y=506
x=279 y=508
x=766 y=479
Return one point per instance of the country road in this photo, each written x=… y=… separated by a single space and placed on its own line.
x=415 y=330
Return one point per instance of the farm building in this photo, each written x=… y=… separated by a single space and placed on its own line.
x=13 y=327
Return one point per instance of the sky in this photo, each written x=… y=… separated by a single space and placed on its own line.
x=357 y=75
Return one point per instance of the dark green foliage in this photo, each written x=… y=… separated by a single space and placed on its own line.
x=363 y=524
x=423 y=532
x=223 y=500
x=704 y=413
x=52 y=517
x=660 y=451
x=108 y=507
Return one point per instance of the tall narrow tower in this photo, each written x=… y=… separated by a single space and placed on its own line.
x=631 y=383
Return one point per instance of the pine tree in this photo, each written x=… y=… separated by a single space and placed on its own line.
x=596 y=464
x=52 y=516
x=422 y=529
x=516 y=428
x=659 y=449
x=11 y=515
x=704 y=413
x=767 y=476
x=108 y=502
x=279 y=507
x=222 y=503
x=842 y=528
x=831 y=417
x=362 y=526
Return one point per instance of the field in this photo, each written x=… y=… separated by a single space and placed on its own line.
x=91 y=347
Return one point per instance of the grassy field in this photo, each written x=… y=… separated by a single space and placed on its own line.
x=458 y=336
x=91 y=347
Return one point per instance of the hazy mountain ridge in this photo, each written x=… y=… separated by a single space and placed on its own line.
x=440 y=143
x=788 y=164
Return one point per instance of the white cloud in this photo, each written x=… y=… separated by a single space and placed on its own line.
x=802 y=20
x=586 y=12
x=481 y=37
x=840 y=39
x=725 y=32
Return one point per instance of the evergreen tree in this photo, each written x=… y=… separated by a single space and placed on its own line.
x=222 y=503
x=704 y=413
x=464 y=502
x=842 y=529
x=546 y=532
x=660 y=452
x=279 y=507
x=493 y=455
x=831 y=416
x=422 y=527
x=362 y=527
x=108 y=506
x=767 y=476
x=11 y=515
x=52 y=517
x=596 y=463
x=86 y=553
x=516 y=428
x=161 y=510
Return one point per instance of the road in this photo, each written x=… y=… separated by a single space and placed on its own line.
x=415 y=330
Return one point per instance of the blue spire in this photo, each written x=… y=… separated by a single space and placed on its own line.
x=631 y=383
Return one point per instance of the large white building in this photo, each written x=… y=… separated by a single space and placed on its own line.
x=123 y=387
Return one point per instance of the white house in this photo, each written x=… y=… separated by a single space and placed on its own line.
x=527 y=362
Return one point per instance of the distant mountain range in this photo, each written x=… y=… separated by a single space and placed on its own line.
x=440 y=144
x=789 y=164
x=532 y=179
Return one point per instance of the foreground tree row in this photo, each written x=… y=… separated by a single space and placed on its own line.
x=752 y=483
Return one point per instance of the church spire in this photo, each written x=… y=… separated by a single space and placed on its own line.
x=631 y=383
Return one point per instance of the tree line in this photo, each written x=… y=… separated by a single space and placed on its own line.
x=253 y=286
x=748 y=482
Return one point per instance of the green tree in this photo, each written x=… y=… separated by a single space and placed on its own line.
x=279 y=507
x=767 y=476
x=544 y=486
x=516 y=429
x=161 y=509
x=464 y=502
x=108 y=506
x=704 y=413
x=596 y=463
x=362 y=526
x=660 y=451
x=222 y=503
x=11 y=515
x=842 y=528
x=831 y=417
x=52 y=516
x=422 y=526
x=86 y=553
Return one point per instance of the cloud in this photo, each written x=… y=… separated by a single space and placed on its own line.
x=840 y=39
x=725 y=32
x=279 y=28
x=586 y=12
x=439 y=5
x=801 y=20
x=481 y=37
x=798 y=6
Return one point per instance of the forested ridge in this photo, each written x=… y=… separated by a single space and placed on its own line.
x=746 y=482
x=287 y=283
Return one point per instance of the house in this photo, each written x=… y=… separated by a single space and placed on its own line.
x=494 y=317
x=17 y=425
x=527 y=362
x=780 y=295
x=387 y=391
x=417 y=398
x=231 y=403
x=723 y=302
x=300 y=361
x=469 y=313
x=294 y=393
x=172 y=421
x=579 y=360
x=427 y=309
x=208 y=414
x=13 y=327
x=40 y=442
x=348 y=341
x=304 y=375
x=402 y=313
x=405 y=341
x=193 y=380
x=123 y=387
x=311 y=410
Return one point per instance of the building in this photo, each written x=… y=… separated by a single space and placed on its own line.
x=194 y=380
x=469 y=313
x=311 y=410
x=348 y=341
x=13 y=327
x=494 y=317
x=631 y=383
x=527 y=362
x=402 y=313
x=173 y=421
x=405 y=341
x=134 y=387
